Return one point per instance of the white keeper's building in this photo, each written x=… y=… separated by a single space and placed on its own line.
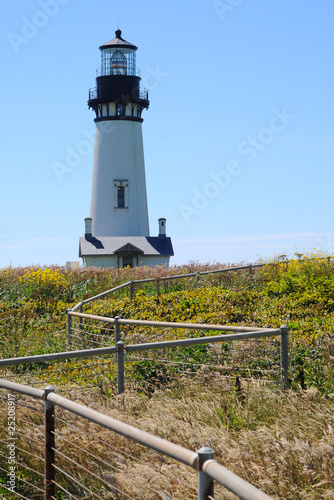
x=117 y=231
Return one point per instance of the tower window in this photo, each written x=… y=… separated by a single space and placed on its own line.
x=120 y=109
x=120 y=196
x=121 y=193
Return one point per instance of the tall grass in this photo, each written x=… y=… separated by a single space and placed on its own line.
x=282 y=442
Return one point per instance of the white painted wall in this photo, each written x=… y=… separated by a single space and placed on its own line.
x=103 y=261
x=111 y=261
x=151 y=260
x=119 y=154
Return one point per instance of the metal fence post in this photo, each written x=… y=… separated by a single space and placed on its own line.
x=69 y=328
x=117 y=334
x=198 y=277
x=284 y=356
x=205 y=483
x=81 y=320
x=49 y=425
x=158 y=290
x=120 y=367
x=117 y=330
x=131 y=291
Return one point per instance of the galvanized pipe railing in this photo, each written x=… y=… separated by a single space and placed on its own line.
x=49 y=443
x=240 y=333
x=232 y=482
x=208 y=469
x=168 y=324
x=201 y=340
x=100 y=295
x=196 y=274
x=165 y=279
x=57 y=356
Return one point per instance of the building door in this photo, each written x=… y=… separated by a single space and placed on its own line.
x=127 y=260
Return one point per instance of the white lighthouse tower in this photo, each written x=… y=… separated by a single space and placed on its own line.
x=117 y=231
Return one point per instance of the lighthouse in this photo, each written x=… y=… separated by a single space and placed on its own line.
x=117 y=231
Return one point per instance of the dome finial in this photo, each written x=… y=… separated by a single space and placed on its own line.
x=118 y=33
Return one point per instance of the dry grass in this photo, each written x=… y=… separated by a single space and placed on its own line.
x=282 y=442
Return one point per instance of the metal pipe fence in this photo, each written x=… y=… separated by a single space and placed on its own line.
x=122 y=352
x=209 y=471
x=130 y=285
x=239 y=334
x=80 y=330
x=121 y=349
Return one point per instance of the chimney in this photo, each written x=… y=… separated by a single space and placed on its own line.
x=88 y=228
x=162 y=228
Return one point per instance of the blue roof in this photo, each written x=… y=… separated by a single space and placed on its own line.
x=110 y=245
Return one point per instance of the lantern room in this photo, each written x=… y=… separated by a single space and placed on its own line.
x=117 y=93
x=118 y=57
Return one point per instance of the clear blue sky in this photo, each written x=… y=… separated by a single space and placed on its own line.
x=238 y=138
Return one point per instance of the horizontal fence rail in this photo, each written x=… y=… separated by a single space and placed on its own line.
x=240 y=333
x=40 y=358
x=200 y=340
x=169 y=324
x=165 y=279
x=232 y=482
x=77 y=313
x=120 y=348
x=202 y=461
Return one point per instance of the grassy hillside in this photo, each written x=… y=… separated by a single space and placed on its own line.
x=281 y=442
x=33 y=305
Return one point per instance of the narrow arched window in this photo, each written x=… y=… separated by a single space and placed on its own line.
x=121 y=187
x=120 y=109
x=120 y=197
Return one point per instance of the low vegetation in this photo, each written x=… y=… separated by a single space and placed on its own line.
x=282 y=442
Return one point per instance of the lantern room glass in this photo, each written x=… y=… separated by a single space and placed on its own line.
x=118 y=61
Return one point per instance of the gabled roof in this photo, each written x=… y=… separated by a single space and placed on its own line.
x=128 y=248
x=118 y=42
x=110 y=245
